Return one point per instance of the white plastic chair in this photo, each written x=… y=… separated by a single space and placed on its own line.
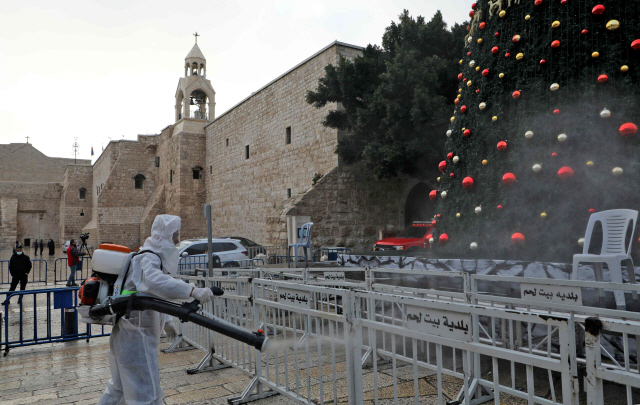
x=615 y=224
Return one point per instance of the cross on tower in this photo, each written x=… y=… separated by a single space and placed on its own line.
x=27 y=139
x=196 y=35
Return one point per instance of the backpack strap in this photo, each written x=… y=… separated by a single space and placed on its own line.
x=124 y=280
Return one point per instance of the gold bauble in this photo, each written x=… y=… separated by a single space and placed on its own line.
x=478 y=69
x=459 y=95
x=479 y=40
x=617 y=171
x=527 y=17
x=461 y=61
x=458 y=215
x=520 y=56
x=501 y=75
x=624 y=69
x=590 y=163
x=613 y=25
x=459 y=90
x=453 y=119
x=469 y=83
x=502 y=13
x=485 y=162
x=555 y=24
x=543 y=215
x=595 y=54
x=494 y=119
x=438 y=179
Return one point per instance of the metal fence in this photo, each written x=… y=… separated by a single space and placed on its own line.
x=34 y=317
x=38 y=273
x=62 y=270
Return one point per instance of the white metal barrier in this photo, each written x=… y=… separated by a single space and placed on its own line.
x=329 y=336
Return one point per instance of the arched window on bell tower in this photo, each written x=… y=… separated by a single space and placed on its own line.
x=195 y=97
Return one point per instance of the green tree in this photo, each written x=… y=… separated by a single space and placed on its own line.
x=548 y=94
x=393 y=98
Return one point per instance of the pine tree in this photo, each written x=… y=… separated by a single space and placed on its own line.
x=544 y=129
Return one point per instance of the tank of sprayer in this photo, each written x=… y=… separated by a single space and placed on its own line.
x=109 y=259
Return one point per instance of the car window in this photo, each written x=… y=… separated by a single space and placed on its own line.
x=217 y=247
x=196 y=249
x=229 y=246
x=414 y=232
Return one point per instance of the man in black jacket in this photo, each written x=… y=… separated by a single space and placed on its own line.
x=19 y=267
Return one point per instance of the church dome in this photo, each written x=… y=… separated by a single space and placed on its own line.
x=195 y=53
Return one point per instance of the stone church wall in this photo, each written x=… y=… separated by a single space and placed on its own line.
x=351 y=208
x=244 y=192
x=75 y=213
x=38 y=212
x=119 y=205
x=8 y=222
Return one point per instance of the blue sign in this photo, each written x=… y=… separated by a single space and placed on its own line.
x=63 y=299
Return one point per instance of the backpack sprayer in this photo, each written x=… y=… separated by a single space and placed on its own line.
x=101 y=301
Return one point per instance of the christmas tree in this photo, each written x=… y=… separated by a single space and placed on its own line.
x=544 y=128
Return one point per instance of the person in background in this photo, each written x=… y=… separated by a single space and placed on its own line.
x=52 y=247
x=19 y=268
x=41 y=246
x=35 y=247
x=73 y=260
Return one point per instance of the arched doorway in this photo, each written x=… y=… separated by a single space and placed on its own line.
x=418 y=206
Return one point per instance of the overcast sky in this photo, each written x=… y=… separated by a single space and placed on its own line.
x=109 y=69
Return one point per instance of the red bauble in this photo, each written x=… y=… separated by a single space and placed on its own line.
x=603 y=78
x=555 y=44
x=628 y=129
x=433 y=195
x=542 y=61
x=509 y=179
x=565 y=172
x=444 y=238
x=516 y=94
x=556 y=111
x=502 y=145
x=452 y=175
x=599 y=9
x=463 y=109
x=456 y=101
x=471 y=13
x=450 y=155
x=482 y=25
x=499 y=207
x=517 y=238
x=467 y=133
x=460 y=76
x=495 y=50
x=592 y=210
x=636 y=44
x=478 y=91
x=554 y=154
x=473 y=6
x=434 y=222
x=464 y=80
x=585 y=32
x=506 y=55
x=438 y=215
x=497 y=34
x=442 y=165
x=485 y=72
x=563 y=1
x=516 y=38
x=467 y=182
x=469 y=53
x=537 y=2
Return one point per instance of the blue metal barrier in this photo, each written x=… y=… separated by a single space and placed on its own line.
x=188 y=267
x=36 y=275
x=61 y=270
x=42 y=330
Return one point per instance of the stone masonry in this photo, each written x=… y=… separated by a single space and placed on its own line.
x=255 y=165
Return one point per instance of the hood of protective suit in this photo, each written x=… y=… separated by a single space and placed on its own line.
x=161 y=241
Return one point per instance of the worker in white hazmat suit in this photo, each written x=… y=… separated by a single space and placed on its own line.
x=133 y=354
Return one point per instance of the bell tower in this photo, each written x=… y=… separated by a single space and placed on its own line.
x=195 y=97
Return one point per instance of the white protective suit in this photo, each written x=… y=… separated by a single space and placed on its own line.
x=133 y=354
